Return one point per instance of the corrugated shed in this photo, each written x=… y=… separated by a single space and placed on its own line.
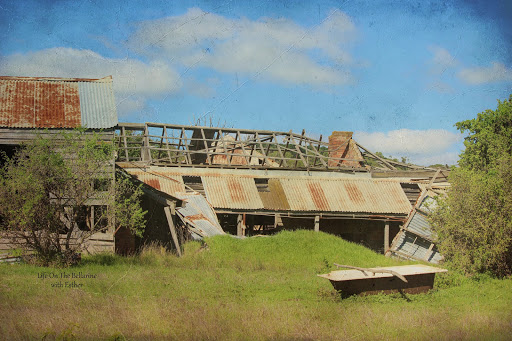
x=27 y=102
x=232 y=192
x=345 y=195
x=409 y=244
x=199 y=215
x=164 y=182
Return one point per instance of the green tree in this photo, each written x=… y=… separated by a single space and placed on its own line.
x=474 y=222
x=46 y=190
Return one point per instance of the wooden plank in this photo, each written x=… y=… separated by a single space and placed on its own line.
x=225 y=147
x=174 y=235
x=123 y=131
x=429 y=251
x=317 y=223
x=167 y=144
x=386 y=237
x=266 y=162
x=280 y=152
x=188 y=158
x=240 y=226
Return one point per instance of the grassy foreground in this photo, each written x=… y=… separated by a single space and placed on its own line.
x=251 y=289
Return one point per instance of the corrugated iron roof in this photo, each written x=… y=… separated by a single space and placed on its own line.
x=346 y=195
x=198 y=213
x=162 y=181
x=36 y=102
x=232 y=192
x=287 y=193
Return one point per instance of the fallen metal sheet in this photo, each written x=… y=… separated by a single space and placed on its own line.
x=410 y=246
x=416 y=239
x=198 y=215
x=420 y=278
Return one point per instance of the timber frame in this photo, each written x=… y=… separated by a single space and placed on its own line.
x=195 y=146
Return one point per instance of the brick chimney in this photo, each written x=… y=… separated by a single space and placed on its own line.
x=341 y=145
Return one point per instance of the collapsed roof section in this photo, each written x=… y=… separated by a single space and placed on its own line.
x=177 y=145
x=231 y=191
x=38 y=102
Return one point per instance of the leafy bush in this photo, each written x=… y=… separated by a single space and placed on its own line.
x=45 y=194
x=474 y=222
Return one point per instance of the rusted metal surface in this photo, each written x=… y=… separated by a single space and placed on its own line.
x=416 y=240
x=162 y=181
x=420 y=279
x=232 y=192
x=274 y=199
x=29 y=102
x=230 y=189
x=199 y=215
x=345 y=195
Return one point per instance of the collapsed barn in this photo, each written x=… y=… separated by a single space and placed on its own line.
x=202 y=181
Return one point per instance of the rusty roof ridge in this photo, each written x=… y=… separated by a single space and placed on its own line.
x=106 y=79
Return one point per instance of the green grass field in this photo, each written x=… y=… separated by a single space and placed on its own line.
x=253 y=289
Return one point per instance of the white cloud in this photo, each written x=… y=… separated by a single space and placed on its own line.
x=420 y=146
x=441 y=59
x=275 y=49
x=497 y=72
x=134 y=81
x=447 y=158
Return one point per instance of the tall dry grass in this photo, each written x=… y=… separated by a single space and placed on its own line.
x=252 y=289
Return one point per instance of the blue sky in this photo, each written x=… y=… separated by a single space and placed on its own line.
x=397 y=73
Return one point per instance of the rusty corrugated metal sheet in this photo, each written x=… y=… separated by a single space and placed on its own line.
x=232 y=192
x=29 y=102
x=162 y=181
x=274 y=199
x=199 y=215
x=290 y=193
x=345 y=195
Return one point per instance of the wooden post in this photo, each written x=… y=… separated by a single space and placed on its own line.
x=239 y=226
x=429 y=252
x=168 y=215
x=386 y=237
x=317 y=223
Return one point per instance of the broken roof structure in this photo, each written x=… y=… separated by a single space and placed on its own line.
x=254 y=178
x=249 y=179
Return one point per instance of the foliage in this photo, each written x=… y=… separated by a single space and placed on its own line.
x=474 y=222
x=125 y=204
x=46 y=190
x=489 y=139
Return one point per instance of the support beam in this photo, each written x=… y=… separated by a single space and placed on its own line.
x=174 y=235
x=386 y=237
x=317 y=223
x=240 y=226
